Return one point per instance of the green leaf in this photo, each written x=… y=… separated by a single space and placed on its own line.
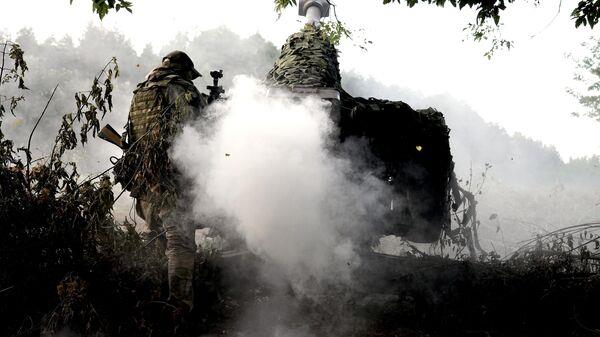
x=103 y=7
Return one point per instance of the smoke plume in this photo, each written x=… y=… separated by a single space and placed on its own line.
x=263 y=162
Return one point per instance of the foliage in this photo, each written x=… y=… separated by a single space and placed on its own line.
x=55 y=226
x=579 y=242
x=15 y=73
x=335 y=31
x=485 y=9
x=96 y=100
x=589 y=76
x=465 y=234
x=280 y=5
x=484 y=32
x=102 y=7
x=586 y=13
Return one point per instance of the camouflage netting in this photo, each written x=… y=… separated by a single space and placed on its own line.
x=412 y=152
x=307 y=59
x=410 y=147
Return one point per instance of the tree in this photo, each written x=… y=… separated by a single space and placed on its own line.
x=589 y=77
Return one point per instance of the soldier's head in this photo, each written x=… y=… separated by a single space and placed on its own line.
x=182 y=63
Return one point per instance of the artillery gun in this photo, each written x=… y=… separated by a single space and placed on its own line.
x=410 y=148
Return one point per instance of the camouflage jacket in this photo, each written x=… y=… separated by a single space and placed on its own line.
x=159 y=108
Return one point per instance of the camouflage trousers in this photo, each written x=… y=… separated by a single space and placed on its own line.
x=180 y=247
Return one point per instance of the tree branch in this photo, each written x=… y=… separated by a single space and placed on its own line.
x=28 y=153
x=3 y=59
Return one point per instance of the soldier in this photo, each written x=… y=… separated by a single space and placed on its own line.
x=159 y=108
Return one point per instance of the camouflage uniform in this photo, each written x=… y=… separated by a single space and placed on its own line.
x=159 y=107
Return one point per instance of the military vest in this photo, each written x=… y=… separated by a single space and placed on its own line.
x=153 y=119
x=150 y=106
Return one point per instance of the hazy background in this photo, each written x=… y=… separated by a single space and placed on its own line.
x=530 y=186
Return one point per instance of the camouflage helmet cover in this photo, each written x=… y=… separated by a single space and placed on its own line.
x=180 y=60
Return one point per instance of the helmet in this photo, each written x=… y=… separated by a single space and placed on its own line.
x=180 y=60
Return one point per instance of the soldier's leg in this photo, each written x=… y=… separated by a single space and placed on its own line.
x=150 y=214
x=181 y=251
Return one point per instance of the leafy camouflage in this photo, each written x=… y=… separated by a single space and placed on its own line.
x=158 y=110
x=307 y=59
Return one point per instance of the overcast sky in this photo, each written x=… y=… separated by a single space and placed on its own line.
x=422 y=48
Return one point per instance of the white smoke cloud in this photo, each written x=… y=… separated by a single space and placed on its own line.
x=263 y=161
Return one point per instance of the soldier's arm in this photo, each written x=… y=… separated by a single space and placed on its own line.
x=186 y=100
